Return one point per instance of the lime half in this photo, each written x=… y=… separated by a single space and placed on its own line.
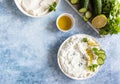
x=99 y=21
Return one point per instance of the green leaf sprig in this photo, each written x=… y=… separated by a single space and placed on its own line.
x=85 y=40
x=92 y=67
x=53 y=7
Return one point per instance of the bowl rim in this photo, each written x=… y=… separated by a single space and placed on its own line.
x=27 y=14
x=70 y=16
x=75 y=78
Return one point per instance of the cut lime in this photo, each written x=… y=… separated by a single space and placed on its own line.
x=99 y=21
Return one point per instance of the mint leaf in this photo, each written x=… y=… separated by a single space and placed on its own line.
x=85 y=40
x=53 y=7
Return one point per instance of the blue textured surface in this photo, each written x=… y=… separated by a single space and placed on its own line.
x=28 y=48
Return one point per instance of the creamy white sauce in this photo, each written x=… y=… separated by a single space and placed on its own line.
x=72 y=57
x=36 y=7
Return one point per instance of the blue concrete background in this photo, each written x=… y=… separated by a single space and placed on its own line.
x=28 y=48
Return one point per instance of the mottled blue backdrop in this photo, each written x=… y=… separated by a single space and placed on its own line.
x=28 y=48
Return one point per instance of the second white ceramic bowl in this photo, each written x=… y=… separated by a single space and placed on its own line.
x=24 y=12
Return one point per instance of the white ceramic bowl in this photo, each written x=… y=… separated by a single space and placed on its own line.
x=75 y=78
x=70 y=16
x=24 y=12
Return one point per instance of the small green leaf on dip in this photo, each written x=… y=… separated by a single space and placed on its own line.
x=85 y=40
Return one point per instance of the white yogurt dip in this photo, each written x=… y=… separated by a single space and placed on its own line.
x=73 y=58
x=36 y=7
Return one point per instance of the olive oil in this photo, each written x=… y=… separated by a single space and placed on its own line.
x=65 y=23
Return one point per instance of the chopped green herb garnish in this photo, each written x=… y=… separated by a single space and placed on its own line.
x=85 y=40
x=95 y=65
x=92 y=67
x=95 y=49
x=53 y=7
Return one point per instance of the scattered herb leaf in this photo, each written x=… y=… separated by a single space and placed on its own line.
x=53 y=7
x=85 y=40
x=92 y=67
x=95 y=49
